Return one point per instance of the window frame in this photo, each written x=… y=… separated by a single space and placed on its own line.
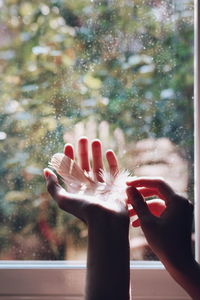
x=197 y=128
x=65 y=280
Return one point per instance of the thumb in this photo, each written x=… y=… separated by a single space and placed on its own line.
x=138 y=203
x=66 y=201
x=53 y=186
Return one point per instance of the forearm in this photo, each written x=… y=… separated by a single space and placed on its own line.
x=188 y=276
x=108 y=262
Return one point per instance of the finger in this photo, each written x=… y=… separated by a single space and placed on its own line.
x=162 y=187
x=155 y=206
x=53 y=186
x=69 y=151
x=132 y=212
x=66 y=201
x=83 y=154
x=150 y=192
x=136 y=223
x=138 y=203
x=97 y=159
x=112 y=162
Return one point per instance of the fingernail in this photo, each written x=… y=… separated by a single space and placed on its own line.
x=46 y=173
x=109 y=151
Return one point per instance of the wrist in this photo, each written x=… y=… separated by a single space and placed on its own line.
x=187 y=275
x=182 y=262
x=103 y=221
x=108 y=257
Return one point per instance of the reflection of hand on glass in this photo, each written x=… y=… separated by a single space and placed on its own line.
x=108 y=223
x=169 y=235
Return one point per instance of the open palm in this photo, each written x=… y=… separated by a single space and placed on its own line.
x=84 y=205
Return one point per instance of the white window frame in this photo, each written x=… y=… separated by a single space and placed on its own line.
x=43 y=280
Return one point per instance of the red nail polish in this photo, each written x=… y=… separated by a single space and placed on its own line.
x=46 y=174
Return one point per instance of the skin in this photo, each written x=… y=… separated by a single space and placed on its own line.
x=108 y=225
x=166 y=223
x=169 y=235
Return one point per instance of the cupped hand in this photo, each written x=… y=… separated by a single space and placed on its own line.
x=87 y=207
x=156 y=206
x=168 y=235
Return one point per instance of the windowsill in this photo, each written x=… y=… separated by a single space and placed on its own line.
x=13 y=264
x=65 y=280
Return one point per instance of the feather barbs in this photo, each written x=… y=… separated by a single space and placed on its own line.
x=78 y=181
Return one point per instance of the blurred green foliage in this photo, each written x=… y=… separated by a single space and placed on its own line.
x=127 y=62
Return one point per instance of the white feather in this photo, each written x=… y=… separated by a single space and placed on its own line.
x=77 y=181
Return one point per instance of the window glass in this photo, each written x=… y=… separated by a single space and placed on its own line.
x=121 y=71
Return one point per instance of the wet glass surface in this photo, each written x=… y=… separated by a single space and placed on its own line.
x=121 y=71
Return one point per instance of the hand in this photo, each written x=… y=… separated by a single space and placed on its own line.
x=108 y=224
x=156 y=207
x=87 y=208
x=169 y=235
